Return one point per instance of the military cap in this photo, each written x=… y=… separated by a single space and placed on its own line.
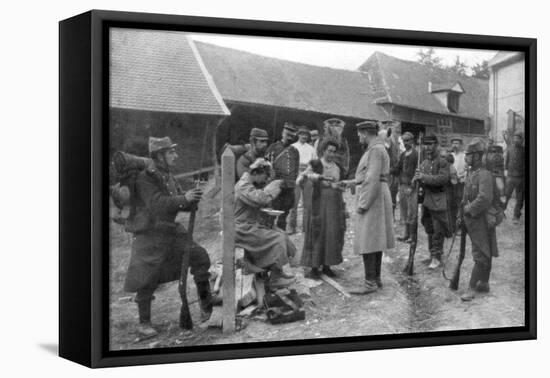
x=335 y=122
x=429 y=139
x=314 y=132
x=159 y=144
x=369 y=125
x=303 y=130
x=475 y=145
x=407 y=136
x=458 y=139
x=290 y=127
x=259 y=134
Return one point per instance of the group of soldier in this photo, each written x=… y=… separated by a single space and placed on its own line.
x=456 y=190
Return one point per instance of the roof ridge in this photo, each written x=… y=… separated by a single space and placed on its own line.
x=440 y=70
x=278 y=59
x=382 y=75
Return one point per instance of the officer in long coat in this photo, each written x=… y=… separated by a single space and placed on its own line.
x=374 y=221
x=479 y=194
x=434 y=175
x=159 y=242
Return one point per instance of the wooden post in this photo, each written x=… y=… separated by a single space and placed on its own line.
x=228 y=242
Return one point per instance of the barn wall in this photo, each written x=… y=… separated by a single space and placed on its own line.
x=443 y=125
x=130 y=131
x=236 y=128
x=507 y=92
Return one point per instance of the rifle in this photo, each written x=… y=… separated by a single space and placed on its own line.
x=185 y=316
x=453 y=285
x=409 y=268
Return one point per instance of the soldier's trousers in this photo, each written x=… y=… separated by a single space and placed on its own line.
x=372 y=263
x=481 y=270
x=436 y=224
x=284 y=202
x=408 y=204
x=293 y=213
x=517 y=184
x=199 y=264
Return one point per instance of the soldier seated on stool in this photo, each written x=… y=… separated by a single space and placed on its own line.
x=159 y=242
x=479 y=194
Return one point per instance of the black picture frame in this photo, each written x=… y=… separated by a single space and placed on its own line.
x=83 y=197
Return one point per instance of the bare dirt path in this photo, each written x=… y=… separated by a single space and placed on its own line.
x=404 y=305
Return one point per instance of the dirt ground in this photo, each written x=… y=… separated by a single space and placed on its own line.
x=404 y=305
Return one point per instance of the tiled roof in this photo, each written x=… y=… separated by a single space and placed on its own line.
x=160 y=71
x=250 y=78
x=406 y=83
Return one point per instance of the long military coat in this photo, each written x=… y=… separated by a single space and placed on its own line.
x=479 y=194
x=263 y=245
x=373 y=228
x=158 y=243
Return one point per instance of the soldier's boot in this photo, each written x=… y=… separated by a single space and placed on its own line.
x=369 y=286
x=413 y=231
x=278 y=281
x=430 y=249
x=378 y=270
x=205 y=300
x=407 y=234
x=477 y=274
x=483 y=287
x=434 y=263
x=145 y=328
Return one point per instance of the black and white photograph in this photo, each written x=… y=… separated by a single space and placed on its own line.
x=266 y=189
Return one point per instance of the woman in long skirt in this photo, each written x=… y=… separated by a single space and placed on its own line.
x=324 y=214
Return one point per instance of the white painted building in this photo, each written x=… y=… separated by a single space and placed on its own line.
x=506 y=93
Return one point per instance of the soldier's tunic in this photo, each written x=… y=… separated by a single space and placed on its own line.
x=479 y=194
x=404 y=171
x=159 y=242
x=264 y=247
x=515 y=165
x=435 y=208
x=286 y=163
x=374 y=228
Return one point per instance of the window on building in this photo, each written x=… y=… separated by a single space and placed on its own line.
x=452 y=101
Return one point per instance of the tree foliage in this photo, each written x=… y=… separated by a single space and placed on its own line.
x=429 y=58
x=481 y=70
x=459 y=67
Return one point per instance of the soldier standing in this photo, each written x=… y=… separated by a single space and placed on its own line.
x=159 y=242
x=460 y=167
x=434 y=175
x=515 y=168
x=307 y=152
x=285 y=160
x=479 y=193
x=405 y=170
x=258 y=146
x=333 y=130
x=374 y=222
